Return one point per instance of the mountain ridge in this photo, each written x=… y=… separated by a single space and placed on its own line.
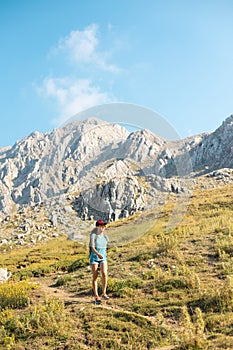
x=81 y=155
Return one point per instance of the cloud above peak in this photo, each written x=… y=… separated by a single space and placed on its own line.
x=87 y=82
x=80 y=45
x=72 y=96
x=83 y=47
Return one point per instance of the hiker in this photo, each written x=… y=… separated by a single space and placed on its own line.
x=98 y=259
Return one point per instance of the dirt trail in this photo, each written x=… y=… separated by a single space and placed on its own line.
x=46 y=288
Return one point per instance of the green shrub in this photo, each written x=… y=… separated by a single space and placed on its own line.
x=6 y=340
x=224 y=247
x=172 y=284
x=142 y=257
x=15 y=294
x=192 y=335
x=146 y=307
x=217 y=300
x=61 y=281
x=124 y=286
x=166 y=243
x=22 y=274
x=45 y=319
x=227 y=267
x=83 y=262
x=189 y=276
x=220 y=323
x=42 y=269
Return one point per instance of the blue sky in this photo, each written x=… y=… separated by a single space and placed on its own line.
x=59 y=57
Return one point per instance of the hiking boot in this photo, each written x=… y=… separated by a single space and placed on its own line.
x=97 y=300
x=105 y=297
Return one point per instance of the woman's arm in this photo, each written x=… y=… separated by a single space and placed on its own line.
x=92 y=246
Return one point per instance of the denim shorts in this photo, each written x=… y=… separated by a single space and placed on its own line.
x=94 y=259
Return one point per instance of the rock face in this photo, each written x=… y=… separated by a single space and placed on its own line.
x=105 y=168
x=112 y=200
x=215 y=150
x=201 y=153
x=42 y=166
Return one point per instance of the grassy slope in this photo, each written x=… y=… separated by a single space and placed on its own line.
x=168 y=290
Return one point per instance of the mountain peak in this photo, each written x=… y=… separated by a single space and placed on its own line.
x=228 y=120
x=75 y=156
x=83 y=124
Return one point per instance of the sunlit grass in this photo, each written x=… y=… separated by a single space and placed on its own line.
x=15 y=295
x=167 y=288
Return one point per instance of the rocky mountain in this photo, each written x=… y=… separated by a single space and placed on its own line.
x=107 y=171
x=201 y=153
x=215 y=151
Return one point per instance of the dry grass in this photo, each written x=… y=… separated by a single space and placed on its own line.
x=167 y=289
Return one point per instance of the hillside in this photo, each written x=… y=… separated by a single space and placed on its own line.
x=169 y=290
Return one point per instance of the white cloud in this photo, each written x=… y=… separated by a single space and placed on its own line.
x=72 y=96
x=82 y=47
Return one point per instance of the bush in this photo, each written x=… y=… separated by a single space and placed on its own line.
x=219 y=300
x=224 y=247
x=221 y=323
x=124 y=286
x=15 y=295
x=172 y=284
x=83 y=262
x=142 y=257
x=45 y=319
x=166 y=243
x=61 y=281
x=192 y=330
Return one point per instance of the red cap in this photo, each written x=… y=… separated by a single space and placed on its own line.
x=100 y=223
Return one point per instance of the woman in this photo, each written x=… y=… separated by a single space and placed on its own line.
x=98 y=258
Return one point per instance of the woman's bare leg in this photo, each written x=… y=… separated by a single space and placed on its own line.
x=94 y=268
x=104 y=272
